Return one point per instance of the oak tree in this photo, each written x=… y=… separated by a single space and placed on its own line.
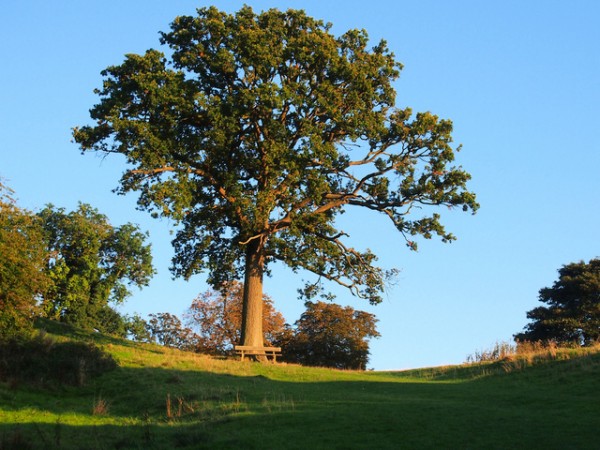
x=256 y=130
x=572 y=311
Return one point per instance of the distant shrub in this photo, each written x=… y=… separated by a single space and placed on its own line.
x=41 y=360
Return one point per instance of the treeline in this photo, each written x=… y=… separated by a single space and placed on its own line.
x=326 y=334
x=75 y=267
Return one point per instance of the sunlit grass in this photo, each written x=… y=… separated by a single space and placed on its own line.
x=163 y=398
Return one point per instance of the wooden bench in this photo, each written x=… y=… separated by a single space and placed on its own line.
x=246 y=350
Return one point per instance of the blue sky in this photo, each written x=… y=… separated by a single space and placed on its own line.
x=520 y=80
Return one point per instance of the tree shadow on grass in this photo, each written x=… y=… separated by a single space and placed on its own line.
x=150 y=408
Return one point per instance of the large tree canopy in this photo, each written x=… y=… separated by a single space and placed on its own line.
x=572 y=311
x=256 y=131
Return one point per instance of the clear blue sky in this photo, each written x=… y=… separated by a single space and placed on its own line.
x=520 y=80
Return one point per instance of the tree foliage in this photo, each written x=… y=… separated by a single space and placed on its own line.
x=138 y=329
x=572 y=311
x=257 y=131
x=22 y=262
x=216 y=317
x=330 y=335
x=92 y=264
x=167 y=329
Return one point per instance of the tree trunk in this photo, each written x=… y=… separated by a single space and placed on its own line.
x=252 y=309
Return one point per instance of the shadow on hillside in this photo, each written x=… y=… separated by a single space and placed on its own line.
x=181 y=395
x=149 y=408
x=164 y=408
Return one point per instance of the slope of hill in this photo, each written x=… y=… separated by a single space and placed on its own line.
x=158 y=398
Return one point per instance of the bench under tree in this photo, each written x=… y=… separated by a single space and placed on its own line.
x=248 y=350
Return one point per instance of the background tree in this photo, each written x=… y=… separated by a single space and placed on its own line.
x=91 y=265
x=22 y=261
x=572 y=314
x=330 y=335
x=138 y=329
x=167 y=329
x=216 y=317
x=256 y=132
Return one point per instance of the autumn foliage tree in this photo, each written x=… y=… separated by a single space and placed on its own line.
x=22 y=261
x=256 y=132
x=330 y=335
x=572 y=307
x=216 y=318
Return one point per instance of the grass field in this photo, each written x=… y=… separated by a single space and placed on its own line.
x=158 y=398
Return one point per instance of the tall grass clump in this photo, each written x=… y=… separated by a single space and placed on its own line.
x=523 y=354
x=100 y=406
x=534 y=353
x=499 y=351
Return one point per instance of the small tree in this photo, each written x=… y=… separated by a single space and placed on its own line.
x=330 y=335
x=91 y=264
x=572 y=314
x=22 y=261
x=216 y=316
x=257 y=131
x=138 y=329
x=166 y=329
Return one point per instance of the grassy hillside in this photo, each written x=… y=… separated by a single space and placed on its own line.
x=159 y=398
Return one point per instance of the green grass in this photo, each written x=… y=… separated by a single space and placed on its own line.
x=160 y=398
